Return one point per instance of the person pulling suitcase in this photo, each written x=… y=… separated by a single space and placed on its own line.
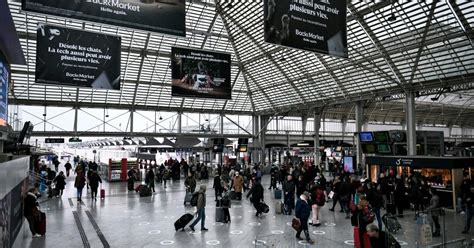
x=201 y=209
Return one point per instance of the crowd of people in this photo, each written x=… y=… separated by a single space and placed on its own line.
x=305 y=191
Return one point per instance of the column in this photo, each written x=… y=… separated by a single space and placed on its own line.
x=411 y=123
x=359 y=112
x=317 y=126
x=131 y=120
x=256 y=143
x=264 y=119
x=180 y=123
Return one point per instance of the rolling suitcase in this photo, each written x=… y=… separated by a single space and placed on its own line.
x=145 y=191
x=277 y=194
x=279 y=207
x=40 y=224
x=187 y=198
x=102 y=193
x=219 y=214
x=391 y=223
x=183 y=221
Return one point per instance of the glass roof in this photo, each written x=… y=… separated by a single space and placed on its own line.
x=429 y=46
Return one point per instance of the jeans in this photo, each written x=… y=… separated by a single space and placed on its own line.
x=201 y=217
x=79 y=193
x=469 y=213
x=345 y=207
x=377 y=215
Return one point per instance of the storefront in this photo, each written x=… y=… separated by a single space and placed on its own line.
x=443 y=173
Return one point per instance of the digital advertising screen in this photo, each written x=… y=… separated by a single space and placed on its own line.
x=77 y=58
x=198 y=73
x=167 y=16
x=382 y=136
x=4 y=80
x=348 y=164
x=316 y=26
x=243 y=148
x=366 y=136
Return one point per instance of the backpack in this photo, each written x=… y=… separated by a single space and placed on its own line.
x=194 y=199
x=320 y=198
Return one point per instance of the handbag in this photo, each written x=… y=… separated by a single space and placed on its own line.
x=296 y=224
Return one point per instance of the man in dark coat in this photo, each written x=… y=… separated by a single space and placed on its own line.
x=289 y=192
x=256 y=193
x=94 y=180
x=30 y=210
x=302 y=212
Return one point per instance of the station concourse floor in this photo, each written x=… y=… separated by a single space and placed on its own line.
x=123 y=219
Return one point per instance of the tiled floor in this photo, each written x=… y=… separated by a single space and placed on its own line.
x=125 y=220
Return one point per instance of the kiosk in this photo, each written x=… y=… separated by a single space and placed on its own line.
x=443 y=173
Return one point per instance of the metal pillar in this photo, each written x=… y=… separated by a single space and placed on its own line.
x=256 y=143
x=131 y=120
x=411 y=123
x=359 y=111
x=180 y=116
x=264 y=119
x=317 y=126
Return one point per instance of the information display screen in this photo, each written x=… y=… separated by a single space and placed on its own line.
x=4 y=80
x=197 y=73
x=382 y=136
x=317 y=26
x=77 y=58
x=369 y=148
x=384 y=149
x=366 y=136
x=166 y=16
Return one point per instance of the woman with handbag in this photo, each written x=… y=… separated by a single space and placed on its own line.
x=302 y=212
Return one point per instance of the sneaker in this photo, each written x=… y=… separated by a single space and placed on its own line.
x=204 y=229
x=310 y=241
x=331 y=209
x=462 y=212
x=37 y=235
x=192 y=228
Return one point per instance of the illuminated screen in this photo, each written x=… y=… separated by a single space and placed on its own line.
x=349 y=164
x=368 y=148
x=4 y=79
x=384 y=148
x=381 y=137
x=366 y=137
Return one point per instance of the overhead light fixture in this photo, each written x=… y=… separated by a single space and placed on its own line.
x=302 y=144
x=230 y=6
x=161 y=118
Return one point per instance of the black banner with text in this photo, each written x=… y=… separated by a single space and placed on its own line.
x=197 y=73
x=163 y=16
x=312 y=25
x=77 y=58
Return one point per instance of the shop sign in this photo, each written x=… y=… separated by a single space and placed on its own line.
x=404 y=162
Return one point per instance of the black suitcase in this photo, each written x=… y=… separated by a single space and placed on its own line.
x=145 y=191
x=391 y=223
x=263 y=207
x=183 y=221
x=219 y=214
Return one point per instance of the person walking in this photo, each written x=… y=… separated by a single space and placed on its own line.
x=150 y=179
x=302 y=212
x=79 y=184
x=256 y=193
x=201 y=209
x=60 y=182
x=94 y=180
x=225 y=204
x=375 y=199
x=336 y=188
x=30 y=211
x=434 y=210
x=318 y=200
x=190 y=182
x=238 y=185
x=68 y=168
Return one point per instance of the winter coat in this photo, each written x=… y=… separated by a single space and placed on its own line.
x=201 y=203
x=80 y=181
x=302 y=210
x=257 y=193
x=191 y=183
x=60 y=182
x=434 y=205
x=238 y=183
x=94 y=180
x=30 y=205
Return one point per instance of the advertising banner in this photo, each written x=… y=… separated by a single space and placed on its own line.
x=162 y=16
x=197 y=73
x=317 y=26
x=4 y=81
x=77 y=58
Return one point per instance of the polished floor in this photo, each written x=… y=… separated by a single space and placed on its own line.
x=124 y=219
